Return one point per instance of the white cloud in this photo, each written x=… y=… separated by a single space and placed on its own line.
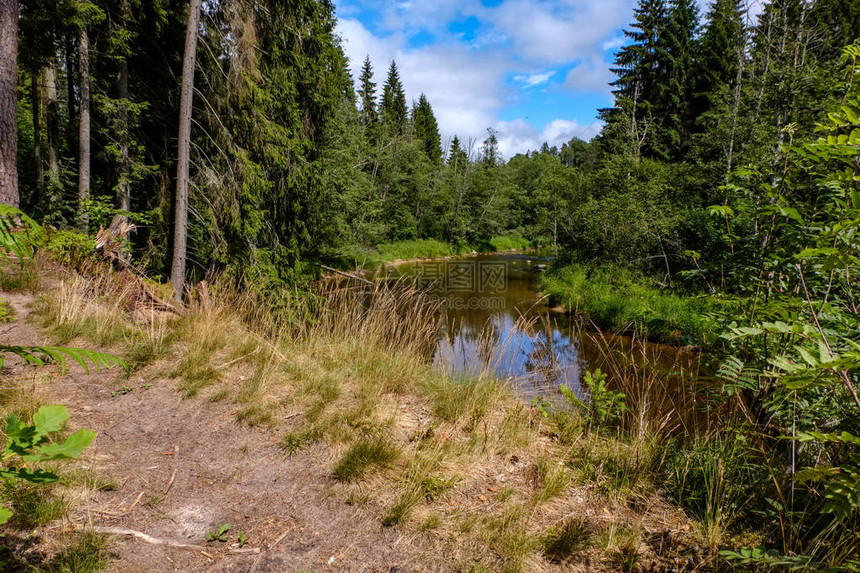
x=519 y=136
x=590 y=75
x=468 y=83
x=466 y=89
x=532 y=80
x=559 y=31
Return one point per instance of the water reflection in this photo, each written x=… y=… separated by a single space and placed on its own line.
x=500 y=324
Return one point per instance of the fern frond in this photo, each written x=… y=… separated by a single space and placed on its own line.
x=20 y=235
x=41 y=355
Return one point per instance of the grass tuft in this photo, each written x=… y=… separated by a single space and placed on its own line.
x=563 y=543
x=366 y=455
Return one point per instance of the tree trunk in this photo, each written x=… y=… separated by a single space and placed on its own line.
x=52 y=123
x=9 y=102
x=83 y=128
x=36 y=103
x=123 y=191
x=180 y=224
x=70 y=89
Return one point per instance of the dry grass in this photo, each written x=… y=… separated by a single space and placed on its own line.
x=460 y=461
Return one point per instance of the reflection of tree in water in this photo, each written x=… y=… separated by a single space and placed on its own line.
x=547 y=354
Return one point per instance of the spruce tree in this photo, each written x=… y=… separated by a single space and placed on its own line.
x=640 y=83
x=426 y=129
x=457 y=158
x=367 y=95
x=393 y=110
x=677 y=51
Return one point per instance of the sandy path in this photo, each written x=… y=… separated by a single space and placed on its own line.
x=224 y=473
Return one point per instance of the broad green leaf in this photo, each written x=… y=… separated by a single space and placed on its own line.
x=5 y=515
x=50 y=419
x=70 y=449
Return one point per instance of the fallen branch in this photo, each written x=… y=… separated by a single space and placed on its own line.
x=147 y=538
x=354 y=277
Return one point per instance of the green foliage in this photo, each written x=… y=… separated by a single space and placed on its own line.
x=6 y=313
x=20 y=236
x=28 y=446
x=621 y=301
x=220 y=533
x=604 y=406
x=42 y=355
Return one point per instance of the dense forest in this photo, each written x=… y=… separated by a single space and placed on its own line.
x=294 y=160
x=727 y=175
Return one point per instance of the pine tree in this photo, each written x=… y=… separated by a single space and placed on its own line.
x=426 y=129
x=367 y=95
x=393 y=107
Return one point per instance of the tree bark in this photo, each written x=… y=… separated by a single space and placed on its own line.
x=36 y=102
x=83 y=127
x=52 y=122
x=123 y=191
x=9 y=102
x=180 y=224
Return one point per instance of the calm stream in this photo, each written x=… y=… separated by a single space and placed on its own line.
x=495 y=320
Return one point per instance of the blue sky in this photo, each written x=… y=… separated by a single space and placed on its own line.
x=534 y=70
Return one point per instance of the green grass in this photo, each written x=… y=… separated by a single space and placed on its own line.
x=366 y=455
x=401 y=250
x=462 y=398
x=35 y=504
x=87 y=552
x=366 y=256
x=19 y=278
x=621 y=301
x=509 y=243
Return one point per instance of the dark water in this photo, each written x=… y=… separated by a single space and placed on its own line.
x=495 y=320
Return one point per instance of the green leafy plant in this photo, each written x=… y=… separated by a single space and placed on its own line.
x=28 y=446
x=243 y=541
x=220 y=534
x=20 y=236
x=42 y=355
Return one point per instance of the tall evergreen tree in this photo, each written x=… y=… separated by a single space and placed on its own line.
x=640 y=83
x=367 y=95
x=393 y=109
x=457 y=157
x=426 y=129
x=677 y=50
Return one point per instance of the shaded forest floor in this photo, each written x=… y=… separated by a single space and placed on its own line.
x=327 y=452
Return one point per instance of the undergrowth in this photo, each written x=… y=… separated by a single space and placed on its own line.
x=621 y=301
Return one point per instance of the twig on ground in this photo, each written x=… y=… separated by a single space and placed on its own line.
x=144 y=537
x=170 y=482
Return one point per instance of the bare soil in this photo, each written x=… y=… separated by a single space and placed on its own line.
x=221 y=472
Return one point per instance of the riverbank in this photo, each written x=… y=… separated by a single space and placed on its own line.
x=401 y=252
x=625 y=303
x=339 y=435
